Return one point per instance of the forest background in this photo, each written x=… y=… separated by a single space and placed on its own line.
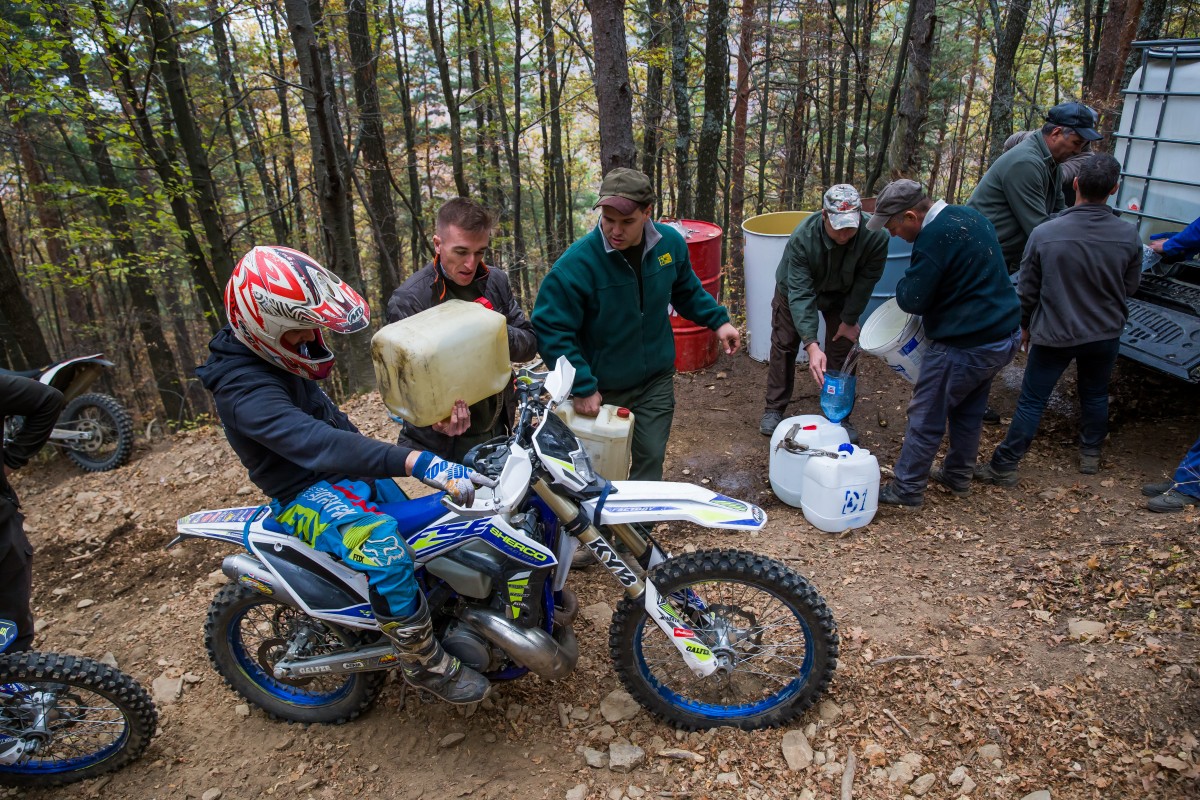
x=146 y=145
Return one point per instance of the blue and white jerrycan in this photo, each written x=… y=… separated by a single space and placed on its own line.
x=841 y=490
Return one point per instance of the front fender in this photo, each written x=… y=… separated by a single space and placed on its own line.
x=663 y=501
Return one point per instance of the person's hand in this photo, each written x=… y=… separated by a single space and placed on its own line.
x=455 y=480
x=816 y=363
x=1157 y=245
x=1024 y=340
x=845 y=331
x=731 y=340
x=457 y=423
x=588 y=406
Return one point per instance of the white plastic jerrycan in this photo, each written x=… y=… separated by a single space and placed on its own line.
x=841 y=490
x=788 y=458
x=607 y=437
x=453 y=351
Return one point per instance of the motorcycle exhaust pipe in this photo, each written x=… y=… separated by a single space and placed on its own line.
x=548 y=656
x=249 y=571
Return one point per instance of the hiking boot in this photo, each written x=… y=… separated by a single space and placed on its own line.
x=583 y=558
x=991 y=416
x=426 y=665
x=1155 y=489
x=888 y=496
x=1171 y=501
x=938 y=475
x=851 y=431
x=986 y=473
x=1089 y=464
x=770 y=421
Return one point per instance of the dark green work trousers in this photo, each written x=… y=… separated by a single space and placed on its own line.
x=653 y=407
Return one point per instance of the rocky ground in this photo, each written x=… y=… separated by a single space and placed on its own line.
x=1032 y=642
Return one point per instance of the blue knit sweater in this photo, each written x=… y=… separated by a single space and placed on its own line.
x=958 y=283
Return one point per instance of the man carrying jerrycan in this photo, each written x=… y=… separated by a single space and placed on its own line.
x=829 y=266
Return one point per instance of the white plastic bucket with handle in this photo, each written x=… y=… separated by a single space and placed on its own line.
x=897 y=337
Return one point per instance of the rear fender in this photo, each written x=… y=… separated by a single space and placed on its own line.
x=664 y=501
x=224 y=524
x=75 y=376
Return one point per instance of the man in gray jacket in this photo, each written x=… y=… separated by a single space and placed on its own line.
x=1078 y=271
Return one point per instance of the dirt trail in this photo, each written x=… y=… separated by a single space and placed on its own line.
x=958 y=671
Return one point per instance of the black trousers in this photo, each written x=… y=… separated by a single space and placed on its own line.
x=16 y=575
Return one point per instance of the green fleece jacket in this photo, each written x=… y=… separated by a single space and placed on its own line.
x=616 y=334
x=1020 y=191
x=815 y=274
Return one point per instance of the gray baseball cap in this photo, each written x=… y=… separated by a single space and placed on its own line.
x=897 y=197
x=843 y=206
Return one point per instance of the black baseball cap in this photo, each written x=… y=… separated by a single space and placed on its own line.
x=1077 y=117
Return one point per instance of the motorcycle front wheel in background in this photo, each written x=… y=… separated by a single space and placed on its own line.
x=110 y=430
x=772 y=634
x=68 y=718
x=246 y=633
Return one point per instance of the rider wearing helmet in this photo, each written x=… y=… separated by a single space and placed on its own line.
x=322 y=475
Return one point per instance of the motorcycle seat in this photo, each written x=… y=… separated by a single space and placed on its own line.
x=414 y=515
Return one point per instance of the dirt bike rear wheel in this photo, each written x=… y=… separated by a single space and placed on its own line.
x=98 y=719
x=774 y=636
x=247 y=632
x=112 y=432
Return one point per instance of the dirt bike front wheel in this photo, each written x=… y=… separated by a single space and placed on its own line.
x=246 y=633
x=109 y=428
x=68 y=718
x=772 y=634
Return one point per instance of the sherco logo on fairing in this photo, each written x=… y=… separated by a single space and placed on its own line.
x=513 y=543
x=612 y=562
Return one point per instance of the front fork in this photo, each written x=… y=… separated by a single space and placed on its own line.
x=629 y=573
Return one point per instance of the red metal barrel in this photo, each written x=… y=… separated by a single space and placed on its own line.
x=696 y=347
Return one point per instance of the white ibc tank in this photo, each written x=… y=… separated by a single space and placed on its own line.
x=787 y=468
x=843 y=492
x=766 y=237
x=607 y=437
x=453 y=351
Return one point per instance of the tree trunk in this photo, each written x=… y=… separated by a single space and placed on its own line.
x=614 y=96
x=960 y=139
x=716 y=105
x=737 y=165
x=1000 y=115
x=683 y=110
x=437 y=42
x=417 y=237
x=15 y=307
x=558 y=169
x=910 y=134
x=285 y=130
x=652 y=109
x=889 y=110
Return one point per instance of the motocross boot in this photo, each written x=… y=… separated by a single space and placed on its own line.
x=426 y=665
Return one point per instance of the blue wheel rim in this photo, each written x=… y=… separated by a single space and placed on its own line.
x=52 y=766
x=249 y=666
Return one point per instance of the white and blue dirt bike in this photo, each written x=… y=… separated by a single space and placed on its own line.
x=709 y=638
x=67 y=718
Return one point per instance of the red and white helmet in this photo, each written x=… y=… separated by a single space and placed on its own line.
x=274 y=290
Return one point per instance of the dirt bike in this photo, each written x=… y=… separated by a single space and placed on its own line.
x=709 y=638
x=94 y=429
x=67 y=718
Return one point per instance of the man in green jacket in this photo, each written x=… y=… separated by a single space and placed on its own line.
x=830 y=265
x=604 y=306
x=1023 y=188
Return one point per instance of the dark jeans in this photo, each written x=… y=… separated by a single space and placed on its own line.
x=1094 y=363
x=1187 y=475
x=653 y=407
x=16 y=575
x=785 y=346
x=953 y=390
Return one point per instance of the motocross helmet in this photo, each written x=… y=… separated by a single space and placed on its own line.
x=274 y=290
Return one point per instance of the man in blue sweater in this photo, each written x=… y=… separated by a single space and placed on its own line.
x=322 y=475
x=958 y=283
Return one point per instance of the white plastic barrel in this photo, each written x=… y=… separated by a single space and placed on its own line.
x=607 y=437
x=841 y=493
x=765 y=239
x=897 y=337
x=453 y=351
x=787 y=468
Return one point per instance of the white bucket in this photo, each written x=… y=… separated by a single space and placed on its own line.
x=897 y=337
x=765 y=239
x=787 y=468
x=841 y=493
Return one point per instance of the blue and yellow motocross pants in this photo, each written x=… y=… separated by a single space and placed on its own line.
x=341 y=519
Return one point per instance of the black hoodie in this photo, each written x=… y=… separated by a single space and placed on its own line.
x=284 y=428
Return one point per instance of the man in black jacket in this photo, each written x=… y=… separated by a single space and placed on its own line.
x=1078 y=272
x=39 y=405
x=457 y=272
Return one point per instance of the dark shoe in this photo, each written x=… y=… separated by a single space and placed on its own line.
x=1155 y=489
x=986 y=473
x=1088 y=464
x=939 y=476
x=426 y=665
x=851 y=431
x=1170 y=501
x=888 y=496
x=583 y=558
x=770 y=421
x=991 y=416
